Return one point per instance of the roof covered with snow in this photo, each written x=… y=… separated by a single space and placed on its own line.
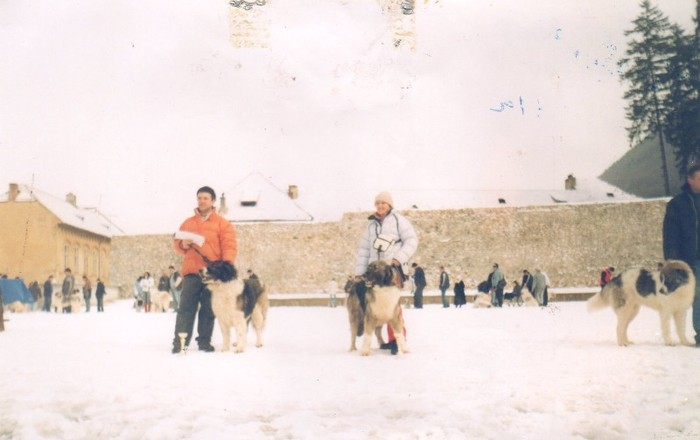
x=586 y=192
x=639 y=171
x=84 y=218
x=257 y=199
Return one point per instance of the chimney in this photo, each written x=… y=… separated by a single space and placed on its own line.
x=72 y=199
x=223 y=209
x=293 y=192
x=570 y=183
x=14 y=192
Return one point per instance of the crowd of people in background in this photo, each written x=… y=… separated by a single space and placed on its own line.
x=495 y=286
x=45 y=297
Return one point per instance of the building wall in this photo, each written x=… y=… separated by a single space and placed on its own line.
x=84 y=253
x=569 y=242
x=32 y=245
x=28 y=244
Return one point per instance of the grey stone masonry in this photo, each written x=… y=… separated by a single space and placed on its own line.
x=571 y=243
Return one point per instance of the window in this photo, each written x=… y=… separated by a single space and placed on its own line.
x=66 y=255
x=76 y=260
x=86 y=260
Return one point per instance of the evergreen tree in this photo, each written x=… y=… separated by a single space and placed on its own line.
x=645 y=69
x=683 y=100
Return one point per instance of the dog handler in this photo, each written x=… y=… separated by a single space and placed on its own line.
x=681 y=233
x=389 y=237
x=219 y=244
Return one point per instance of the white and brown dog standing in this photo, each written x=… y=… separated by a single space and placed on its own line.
x=373 y=302
x=670 y=291
x=236 y=302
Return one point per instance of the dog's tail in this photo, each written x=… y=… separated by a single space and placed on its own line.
x=598 y=301
x=252 y=289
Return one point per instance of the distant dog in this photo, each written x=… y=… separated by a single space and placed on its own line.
x=17 y=307
x=77 y=302
x=374 y=302
x=528 y=299
x=669 y=291
x=235 y=303
x=57 y=302
x=160 y=301
x=482 y=300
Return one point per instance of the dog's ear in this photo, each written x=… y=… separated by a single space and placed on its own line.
x=222 y=270
x=674 y=277
x=388 y=276
x=229 y=272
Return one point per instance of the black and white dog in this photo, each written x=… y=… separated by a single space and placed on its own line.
x=235 y=302
x=670 y=291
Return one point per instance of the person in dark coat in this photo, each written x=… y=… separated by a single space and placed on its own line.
x=419 y=281
x=443 y=285
x=35 y=290
x=48 y=292
x=605 y=276
x=100 y=295
x=527 y=280
x=681 y=233
x=460 y=297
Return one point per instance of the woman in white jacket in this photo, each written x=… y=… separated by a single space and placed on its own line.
x=147 y=284
x=389 y=237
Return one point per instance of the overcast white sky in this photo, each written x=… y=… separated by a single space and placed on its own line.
x=133 y=105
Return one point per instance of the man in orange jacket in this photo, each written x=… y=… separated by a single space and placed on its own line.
x=219 y=244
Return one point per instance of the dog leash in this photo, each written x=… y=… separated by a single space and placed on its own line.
x=206 y=260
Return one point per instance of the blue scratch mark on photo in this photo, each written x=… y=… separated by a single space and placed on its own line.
x=577 y=53
x=502 y=106
x=505 y=105
x=557 y=34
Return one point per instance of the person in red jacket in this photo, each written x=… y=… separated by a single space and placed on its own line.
x=606 y=276
x=219 y=244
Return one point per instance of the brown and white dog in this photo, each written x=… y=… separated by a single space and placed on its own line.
x=373 y=302
x=17 y=307
x=160 y=301
x=528 y=299
x=235 y=302
x=670 y=291
x=482 y=300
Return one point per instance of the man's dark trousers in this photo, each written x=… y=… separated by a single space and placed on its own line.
x=194 y=293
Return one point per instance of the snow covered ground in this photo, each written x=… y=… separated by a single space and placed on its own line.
x=511 y=373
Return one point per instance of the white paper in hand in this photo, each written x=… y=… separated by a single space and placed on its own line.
x=196 y=238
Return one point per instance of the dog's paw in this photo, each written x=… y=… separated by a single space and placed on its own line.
x=625 y=343
x=364 y=353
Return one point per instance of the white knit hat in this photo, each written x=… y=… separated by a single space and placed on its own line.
x=385 y=197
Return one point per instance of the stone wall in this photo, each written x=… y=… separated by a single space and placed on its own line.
x=569 y=242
